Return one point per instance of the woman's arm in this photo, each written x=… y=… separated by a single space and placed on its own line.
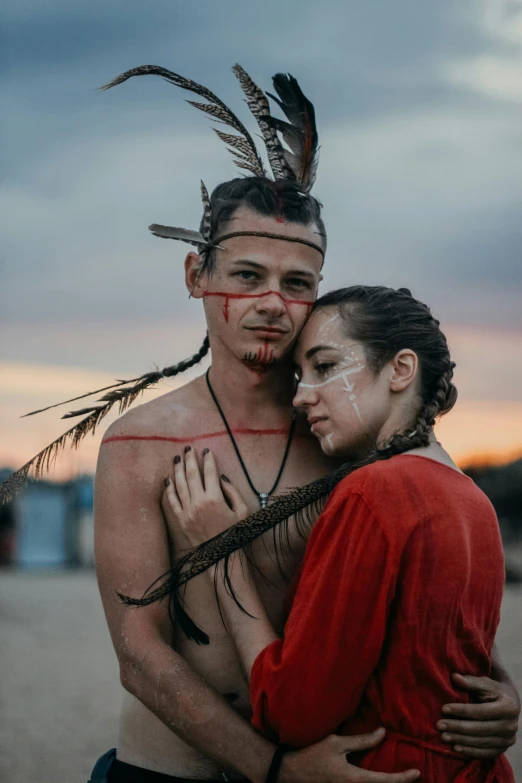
x=207 y=514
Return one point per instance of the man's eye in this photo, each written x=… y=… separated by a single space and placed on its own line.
x=246 y=274
x=298 y=282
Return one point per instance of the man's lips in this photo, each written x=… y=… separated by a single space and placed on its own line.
x=273 y=331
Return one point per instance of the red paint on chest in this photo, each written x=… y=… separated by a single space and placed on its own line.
x=193 y=438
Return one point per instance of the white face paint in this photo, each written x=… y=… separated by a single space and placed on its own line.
x=337 y=388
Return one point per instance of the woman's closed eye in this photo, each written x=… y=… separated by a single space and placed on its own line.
x=323 y=367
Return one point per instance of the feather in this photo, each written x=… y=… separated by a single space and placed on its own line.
x=183 y=234
x=124 y=397
x=206 y=223
x=82 y=396
x=45 y=458
x=215 y=106
x=300 y=132
x=258 y=104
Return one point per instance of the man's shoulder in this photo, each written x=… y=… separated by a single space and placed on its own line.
x=143 y=437
x=162 y=415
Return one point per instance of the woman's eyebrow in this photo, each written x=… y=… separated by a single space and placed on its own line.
x=323 y=347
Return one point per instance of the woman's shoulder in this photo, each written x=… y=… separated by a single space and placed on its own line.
x=400 y=470
x=408 y=487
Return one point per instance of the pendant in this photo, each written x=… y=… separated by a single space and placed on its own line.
x=263 y=499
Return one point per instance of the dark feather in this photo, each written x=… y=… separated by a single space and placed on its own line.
x=300 y=133
x=215 y=106
x=183 y=234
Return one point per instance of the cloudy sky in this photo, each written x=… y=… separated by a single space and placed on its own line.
x=420 y=116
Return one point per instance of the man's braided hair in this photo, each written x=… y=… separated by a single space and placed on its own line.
x=384 y=321
x=286 y=197
x=280 y=199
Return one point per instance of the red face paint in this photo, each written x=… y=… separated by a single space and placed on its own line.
x=227 y=297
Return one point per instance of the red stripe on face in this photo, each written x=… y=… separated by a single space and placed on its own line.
x=258 y=296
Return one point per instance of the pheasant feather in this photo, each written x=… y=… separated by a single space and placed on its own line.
x=215 y=107
x=124 y=397
x=258 y=104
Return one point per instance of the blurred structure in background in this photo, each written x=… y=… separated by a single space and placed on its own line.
x=49 y=525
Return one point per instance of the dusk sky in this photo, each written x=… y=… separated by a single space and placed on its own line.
x=419 y=107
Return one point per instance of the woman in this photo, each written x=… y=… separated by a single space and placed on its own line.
x=403 y=575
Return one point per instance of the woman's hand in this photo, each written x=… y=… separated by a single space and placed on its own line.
x=196 y=498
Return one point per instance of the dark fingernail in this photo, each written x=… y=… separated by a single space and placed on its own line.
x=442 y=726
x=166 y=482
x=225 y=478
x=205 y=451
x=187 y=449
x=446 y=710
x=457 y=749
x=177 y=459
x=446 y=737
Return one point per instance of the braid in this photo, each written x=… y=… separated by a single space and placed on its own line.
x=124 y=397
x=169 y=372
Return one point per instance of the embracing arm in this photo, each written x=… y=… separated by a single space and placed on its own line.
x=489 y=725
x=131 y=551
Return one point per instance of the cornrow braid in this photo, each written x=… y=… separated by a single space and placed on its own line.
x=384 y=321
x=124 y=397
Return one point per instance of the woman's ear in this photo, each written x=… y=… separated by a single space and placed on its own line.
x=193 y=276
x=405 y=366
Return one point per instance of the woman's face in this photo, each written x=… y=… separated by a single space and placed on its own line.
x=346 y=403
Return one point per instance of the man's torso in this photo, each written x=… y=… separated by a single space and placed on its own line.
x=164 y=427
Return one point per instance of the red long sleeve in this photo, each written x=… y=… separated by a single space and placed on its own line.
x=306 y=685
x=401 y=585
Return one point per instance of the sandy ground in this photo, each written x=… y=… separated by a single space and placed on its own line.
x=59 y=689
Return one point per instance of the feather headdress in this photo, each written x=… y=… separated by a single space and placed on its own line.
x=297 y=162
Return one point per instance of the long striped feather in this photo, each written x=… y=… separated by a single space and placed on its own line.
x=215 y=106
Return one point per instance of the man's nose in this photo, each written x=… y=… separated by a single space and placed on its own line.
x=272 y=303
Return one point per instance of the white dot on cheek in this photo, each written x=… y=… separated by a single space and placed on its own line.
x=352 y=396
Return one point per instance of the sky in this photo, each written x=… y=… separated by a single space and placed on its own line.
x=419 y=107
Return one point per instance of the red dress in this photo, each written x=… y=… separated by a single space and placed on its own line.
x=401 y=585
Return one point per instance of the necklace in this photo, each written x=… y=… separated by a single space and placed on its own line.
x=262 y=496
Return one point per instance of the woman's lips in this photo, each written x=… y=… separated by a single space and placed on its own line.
x=314 y=420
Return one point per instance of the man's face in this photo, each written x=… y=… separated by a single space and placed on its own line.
x=262 y=289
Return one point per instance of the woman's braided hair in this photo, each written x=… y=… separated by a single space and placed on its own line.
x=384 y=320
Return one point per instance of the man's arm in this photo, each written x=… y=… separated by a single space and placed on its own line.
x=131 y=550
x=484 y=729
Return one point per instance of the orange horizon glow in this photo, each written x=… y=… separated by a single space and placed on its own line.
x=476 y=432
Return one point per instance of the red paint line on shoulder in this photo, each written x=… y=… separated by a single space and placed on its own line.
x=193 y=438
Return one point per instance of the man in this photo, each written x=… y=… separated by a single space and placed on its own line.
x=261 y=247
